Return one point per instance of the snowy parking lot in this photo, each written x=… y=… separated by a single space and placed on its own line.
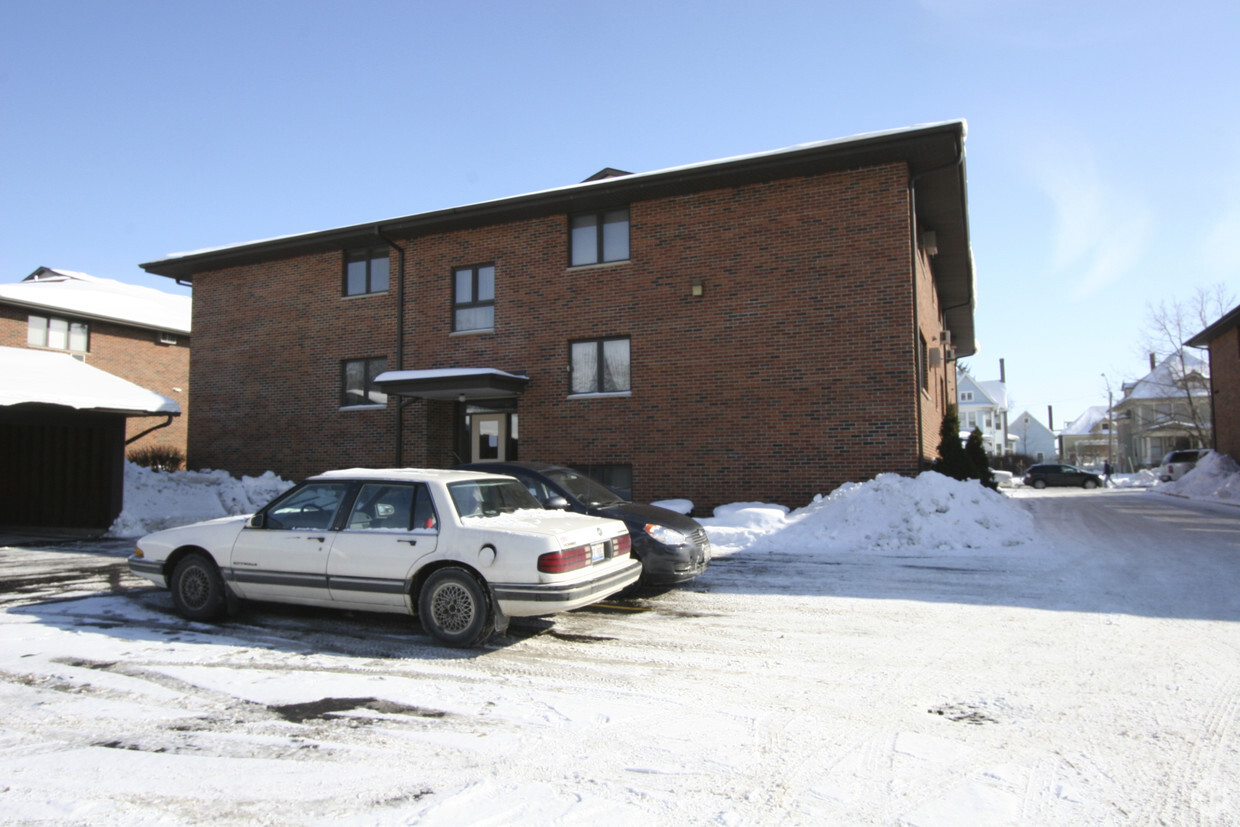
x=1083 y=669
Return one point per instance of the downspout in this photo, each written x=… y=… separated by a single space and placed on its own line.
x=151 y=429
x=400 y=339
x=916 y=247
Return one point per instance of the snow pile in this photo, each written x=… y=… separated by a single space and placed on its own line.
x=156 y=500
x=1215 y=477
x=1145 y=478
x=920 y=514
x=680 y=506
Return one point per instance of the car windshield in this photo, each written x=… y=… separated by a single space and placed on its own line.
x=487 y=498
x=586 y=491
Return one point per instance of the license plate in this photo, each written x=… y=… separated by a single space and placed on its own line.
x=597 y=552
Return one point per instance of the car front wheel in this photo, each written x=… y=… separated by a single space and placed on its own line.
x=453 y=608
x=1039 y=484
x=1088 y=484
x=197 y=588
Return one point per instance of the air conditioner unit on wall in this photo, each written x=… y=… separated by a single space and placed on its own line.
x=930 y=242
x=946 y=337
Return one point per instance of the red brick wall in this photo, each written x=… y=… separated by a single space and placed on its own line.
x=793 y=373
x=131 y=353
x=1225 y=380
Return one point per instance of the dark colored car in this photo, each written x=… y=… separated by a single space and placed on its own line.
x=1040 y=476
x=672 y=548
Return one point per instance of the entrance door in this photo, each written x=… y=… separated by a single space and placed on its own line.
x=488 y=437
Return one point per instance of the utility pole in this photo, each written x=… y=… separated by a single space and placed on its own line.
x=1110 y=425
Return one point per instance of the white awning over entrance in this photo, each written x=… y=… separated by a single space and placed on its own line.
x=453 y=384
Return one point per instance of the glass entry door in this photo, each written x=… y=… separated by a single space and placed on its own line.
x=490 y=435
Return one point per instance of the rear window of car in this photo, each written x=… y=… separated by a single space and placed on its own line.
x=1184 y=456
x=489 y=497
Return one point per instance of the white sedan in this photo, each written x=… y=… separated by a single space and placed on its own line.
x=463 y=550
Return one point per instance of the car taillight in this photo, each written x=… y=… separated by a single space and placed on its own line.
x=569 y=559
x=621 y=546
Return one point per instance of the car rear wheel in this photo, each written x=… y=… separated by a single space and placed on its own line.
x=1039 y=484
x=453 y=608
x=197 y=588
x=1088 y=484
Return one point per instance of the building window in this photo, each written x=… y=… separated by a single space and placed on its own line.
x=599 y=237
x=600 y=366
x=618 y=478
x=61 y=334
x=473 y=303
x=923 y=358
x=366 y=271
x=966 y=396
x=358 y=383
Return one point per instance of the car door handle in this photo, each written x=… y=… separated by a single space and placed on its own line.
x=410 y=542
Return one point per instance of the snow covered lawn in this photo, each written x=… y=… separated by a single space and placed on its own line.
x=903 y=652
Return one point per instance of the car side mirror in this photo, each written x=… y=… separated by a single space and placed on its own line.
x=257 y=521
x=558 y=503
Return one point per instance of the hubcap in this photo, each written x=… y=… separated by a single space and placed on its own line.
x=195 y=588
x=452 y=607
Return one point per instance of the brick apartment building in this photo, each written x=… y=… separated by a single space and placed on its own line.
x=90 y=368
x=763 y=327
x=1223 y=340
x=137 y=333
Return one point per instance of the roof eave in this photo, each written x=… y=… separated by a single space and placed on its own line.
x=922 y=148
x=1203 y=339
x=98 y=317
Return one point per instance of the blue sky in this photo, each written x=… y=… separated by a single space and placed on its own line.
x=1103 y=149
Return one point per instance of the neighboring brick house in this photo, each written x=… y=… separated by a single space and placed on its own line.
x=137 y=333
x=984 y=405
x=763 y=327
x=1223 y=340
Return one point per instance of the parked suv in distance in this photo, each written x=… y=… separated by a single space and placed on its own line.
x=1040 y=476
x=673 y=548
x=1178 y=463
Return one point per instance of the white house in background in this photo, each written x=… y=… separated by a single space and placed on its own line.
x=1033 y=439
x=984 y=405
x=1165 y=410
x=1083 y=441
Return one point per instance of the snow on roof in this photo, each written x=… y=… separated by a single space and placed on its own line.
x=89 y=296
x=39 y=376
x=997 y=391
x=994 y=390
x=442 y=373
x=1164 y=381
x=1086 y=422
x=594 y=181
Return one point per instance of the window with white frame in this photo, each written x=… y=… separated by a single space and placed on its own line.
x=600 y=366
x=61 y=334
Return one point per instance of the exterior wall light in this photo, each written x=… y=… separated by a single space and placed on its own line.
x=695 y=288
